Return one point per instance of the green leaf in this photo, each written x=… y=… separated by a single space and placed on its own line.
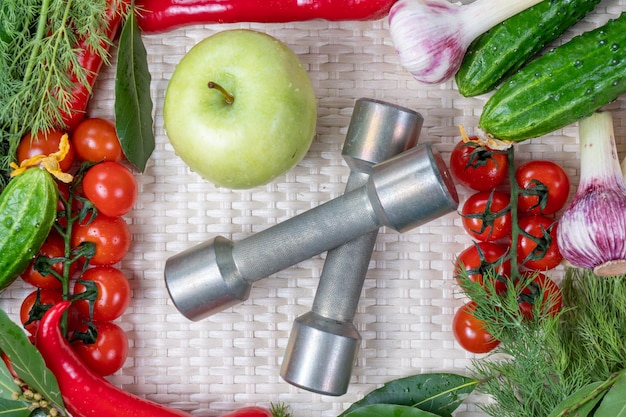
x=581 y=402
x=437 y=393
x=7 y=386
x=614 y=402
x=27 y=362
x=13 y=408
x=391 y=410
x=133 y=104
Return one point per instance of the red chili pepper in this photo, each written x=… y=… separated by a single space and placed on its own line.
x=163 y=15
x=92 y=62
x=86 y=394
x=9 y=365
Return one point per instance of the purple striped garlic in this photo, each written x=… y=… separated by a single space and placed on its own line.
x=592 y=229
x=431 y=37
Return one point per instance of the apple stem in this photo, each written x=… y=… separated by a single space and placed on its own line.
x=227 y=96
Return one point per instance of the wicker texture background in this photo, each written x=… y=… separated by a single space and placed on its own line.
x=233 y=358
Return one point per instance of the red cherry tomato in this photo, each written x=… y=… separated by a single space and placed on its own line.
x=114 y=293
x=478 y=167
x=482 y=257
x=487 y=216
x=544 y=187
x=95 y=140
x=53 y=247
x=44 y=144
x=109 y=351
x=470 y=332
x=540 y=290
x=537 y=247
x=111 y=187
x=46 y=298
x=111 y=236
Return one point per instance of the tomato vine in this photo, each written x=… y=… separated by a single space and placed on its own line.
x=84 y=246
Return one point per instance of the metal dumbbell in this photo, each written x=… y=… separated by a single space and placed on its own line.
x=400 y=193
x=323 y=343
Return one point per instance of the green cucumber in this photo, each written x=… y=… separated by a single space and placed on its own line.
x=27 y=211
x=503 y=49
x=566 y=84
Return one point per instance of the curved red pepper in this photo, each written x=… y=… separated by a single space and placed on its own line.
x=162 y=15
x=9 y=365
x=89 y=395
x=92 y=63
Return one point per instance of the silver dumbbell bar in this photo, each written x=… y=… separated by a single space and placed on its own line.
x=401 y=193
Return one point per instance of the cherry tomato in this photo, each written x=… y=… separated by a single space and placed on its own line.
x=481 y=257
x=111 y=187
x=486 y=215
x=44 y=144
x=544 y=187
x=111 y=236
x=478 y=167
x=113 y=293
x=109 y=351
x=537 y=247
x=470 y=332
x=95 y=140
x=47 y=297
x=551 y=302
x=53 y=247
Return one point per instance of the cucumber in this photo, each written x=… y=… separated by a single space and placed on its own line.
x=503 y=49
x=27 y=211
x=566 y=84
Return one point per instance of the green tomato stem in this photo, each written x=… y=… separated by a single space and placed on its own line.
x=514 y=217
x=228 y=98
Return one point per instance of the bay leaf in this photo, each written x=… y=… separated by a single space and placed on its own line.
x=614 y=402
x=27 y=361
x=391 y=410
x=437 y=393
x=13 y=408
x=134 y=122
x=582 y=402
x=7 y=386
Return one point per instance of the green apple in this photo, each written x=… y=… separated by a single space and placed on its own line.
x=240 y=109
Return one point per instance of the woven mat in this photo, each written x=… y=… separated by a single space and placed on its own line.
x=233 y=358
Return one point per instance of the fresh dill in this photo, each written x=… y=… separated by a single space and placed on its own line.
x=39 y=63
x=543 y=360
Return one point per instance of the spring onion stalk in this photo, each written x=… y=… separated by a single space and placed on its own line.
x=432 y=36
x=592 y=229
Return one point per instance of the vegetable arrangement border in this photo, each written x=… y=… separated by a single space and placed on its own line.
x=433 y=130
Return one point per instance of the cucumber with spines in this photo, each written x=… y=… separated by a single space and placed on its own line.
x=27 y=212
x=569 y=82
x=505 y=48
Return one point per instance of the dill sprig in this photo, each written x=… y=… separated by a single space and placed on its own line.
x=595 y=325
x=544 y=359
x=524 y=374
x=39 y=63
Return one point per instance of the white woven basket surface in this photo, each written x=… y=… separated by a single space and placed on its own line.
x=405 y=312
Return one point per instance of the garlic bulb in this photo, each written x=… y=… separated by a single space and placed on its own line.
x=432 y=36
x=592 y=229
